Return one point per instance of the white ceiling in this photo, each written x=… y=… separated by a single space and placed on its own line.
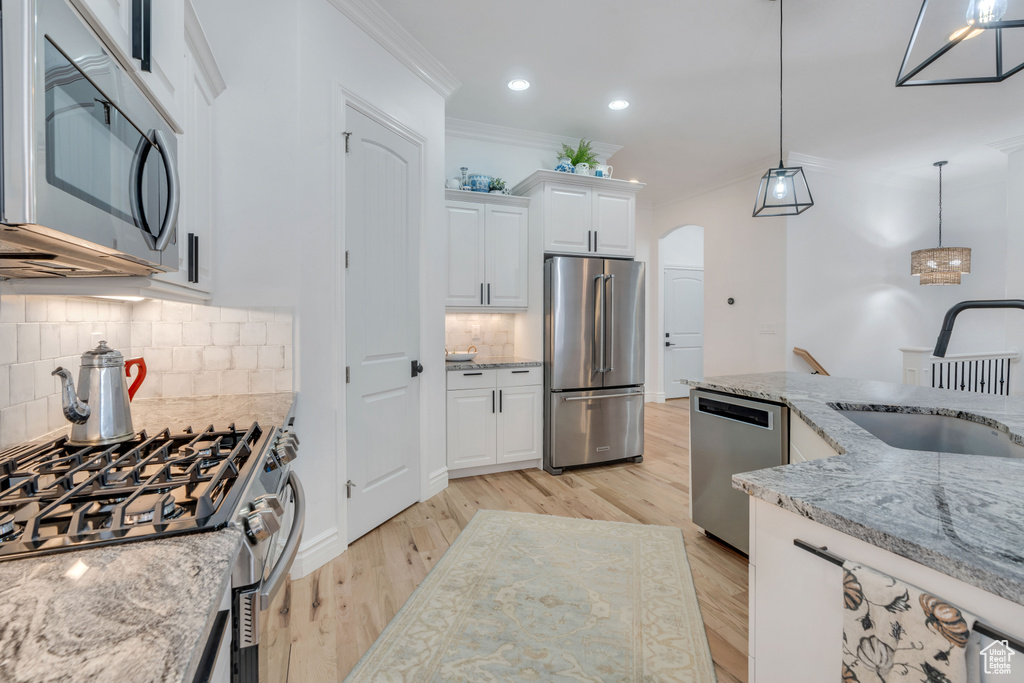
x=702 y=80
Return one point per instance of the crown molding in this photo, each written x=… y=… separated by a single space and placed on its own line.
x=1009 y=145
x=195 y=36
x=392 y=36
x=487 y=132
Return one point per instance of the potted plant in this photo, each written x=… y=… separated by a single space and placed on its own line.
x=569 y=158
x=497 y=186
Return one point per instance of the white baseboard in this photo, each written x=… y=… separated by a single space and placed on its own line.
x=316 y=552
x=494 y=469
x=654 y=397
x=437 y=482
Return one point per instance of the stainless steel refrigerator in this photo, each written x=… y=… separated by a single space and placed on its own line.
x=593 y=361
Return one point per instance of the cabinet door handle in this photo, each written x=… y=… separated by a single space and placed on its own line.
x=492 y=400
x=481 y=294
x=595 y=240
x=588 y=240
x=142 y=33
x=500 y=404
x=519 y=372
x=488 y=293
x=472 y=374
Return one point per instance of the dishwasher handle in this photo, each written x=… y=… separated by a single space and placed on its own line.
x=756 y=417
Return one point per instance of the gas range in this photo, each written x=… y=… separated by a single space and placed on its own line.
x=58 y=496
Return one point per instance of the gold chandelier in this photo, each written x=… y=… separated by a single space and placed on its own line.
x=940 y=265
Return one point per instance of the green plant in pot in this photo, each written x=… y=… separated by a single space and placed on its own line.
x=582 y=154
x=497 y=185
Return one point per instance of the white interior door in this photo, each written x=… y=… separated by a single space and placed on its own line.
x=382 y=216
x=684 y=329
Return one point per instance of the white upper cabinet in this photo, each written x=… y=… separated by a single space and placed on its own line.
x=488 y=240
x=113 y=22
x=583 y=214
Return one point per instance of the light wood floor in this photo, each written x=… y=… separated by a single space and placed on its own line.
x=321 y=625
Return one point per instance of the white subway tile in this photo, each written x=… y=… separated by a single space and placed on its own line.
x=279 y=333
x=147 y=311
x=271 y=357
x=142 y=334
x=49 y=340
x=234 y=315
x=217 y=358
x=8 y=343
x=261 y=381
x=205 y=314
x=152 y=387
x=187 y=359
x=55 y=412
x=12 y=426
x=56 y=309
x=282 y=314
x=102 y=310
x=252 y=334
x=234 y=382
x=166 y=334
x=282 y=380
x=89 y=335
x=288 y=356
x=23 y=383
x=5 y=387
x=121 y=332
x=196 y=334
x=45 y=383
x=244 y=357
x=36 y=419
x=35 y=309
x=176 y=312
x=28 y=342
x=158 y=360
x=12 y=308
x=68 y=340
x=206 y=383
x=225 y=334
x=176 y=384
x=73 y=311
x=261 y=315
x=90 y=310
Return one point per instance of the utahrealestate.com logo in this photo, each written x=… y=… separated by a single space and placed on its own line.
x=997 y=658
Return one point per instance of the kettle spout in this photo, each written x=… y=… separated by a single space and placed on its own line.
x=75 y=410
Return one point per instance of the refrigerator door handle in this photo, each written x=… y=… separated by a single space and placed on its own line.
x=598 y=398
x=610 y=327
x=599 y=327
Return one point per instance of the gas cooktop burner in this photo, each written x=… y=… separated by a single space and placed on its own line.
x=55 y=496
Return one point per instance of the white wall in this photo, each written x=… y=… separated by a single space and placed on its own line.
x=851 y=300
x=744 y=258
x=682 y=248
x=279 y=183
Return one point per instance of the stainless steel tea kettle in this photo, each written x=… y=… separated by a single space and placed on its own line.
x=99 y=411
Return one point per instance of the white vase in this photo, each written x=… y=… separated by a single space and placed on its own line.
x=582 y=169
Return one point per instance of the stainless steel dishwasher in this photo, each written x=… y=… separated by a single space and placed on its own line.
x=728 y=435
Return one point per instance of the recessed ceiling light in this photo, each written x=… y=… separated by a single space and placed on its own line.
x=518 y=84
x=618 y=104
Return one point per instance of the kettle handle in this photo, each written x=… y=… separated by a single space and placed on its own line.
x=137 y=382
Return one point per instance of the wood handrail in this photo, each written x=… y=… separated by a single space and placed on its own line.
x=809 y=359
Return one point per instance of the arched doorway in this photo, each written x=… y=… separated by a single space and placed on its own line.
x=681 y=259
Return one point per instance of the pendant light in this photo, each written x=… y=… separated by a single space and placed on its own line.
x=942 y=265
x=783 y=190
x=977 y=25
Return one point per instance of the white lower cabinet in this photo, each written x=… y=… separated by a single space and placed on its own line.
x=494 y=417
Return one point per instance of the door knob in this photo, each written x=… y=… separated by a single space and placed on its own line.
x=417 y=368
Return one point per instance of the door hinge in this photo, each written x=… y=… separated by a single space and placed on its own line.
x=346 y=258
x=348 y=375
x=348 y=488
x=347 y=136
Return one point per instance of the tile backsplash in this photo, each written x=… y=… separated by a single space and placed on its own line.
x=493 y=334
x=190 y=350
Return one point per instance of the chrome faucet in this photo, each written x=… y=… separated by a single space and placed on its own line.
x=947 y=323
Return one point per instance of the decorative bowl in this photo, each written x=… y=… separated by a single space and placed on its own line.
x=460 y=357
x=479 y=182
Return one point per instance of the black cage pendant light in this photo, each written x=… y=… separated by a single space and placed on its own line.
x=783 y=190
x=975 y=32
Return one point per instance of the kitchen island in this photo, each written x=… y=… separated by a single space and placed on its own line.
x=135 y=611
x=952 y=524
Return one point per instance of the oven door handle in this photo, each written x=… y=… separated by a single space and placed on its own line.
x=269 y=588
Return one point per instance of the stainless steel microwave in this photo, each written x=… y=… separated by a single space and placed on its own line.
x=89 y=179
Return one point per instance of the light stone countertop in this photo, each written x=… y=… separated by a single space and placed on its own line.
x=143 y=610
x=489 y=362
x=962 y=515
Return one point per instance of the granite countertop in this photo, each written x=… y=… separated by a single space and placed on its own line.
x=137 y=611
x=962 y=515
x=488 y=362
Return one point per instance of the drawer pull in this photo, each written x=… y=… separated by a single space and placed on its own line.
x=519 y=372
x=472 y=374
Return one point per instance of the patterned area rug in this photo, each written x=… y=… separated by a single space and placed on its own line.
x=521 y=597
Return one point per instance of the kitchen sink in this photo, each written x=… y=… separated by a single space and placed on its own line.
x=935 y=433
